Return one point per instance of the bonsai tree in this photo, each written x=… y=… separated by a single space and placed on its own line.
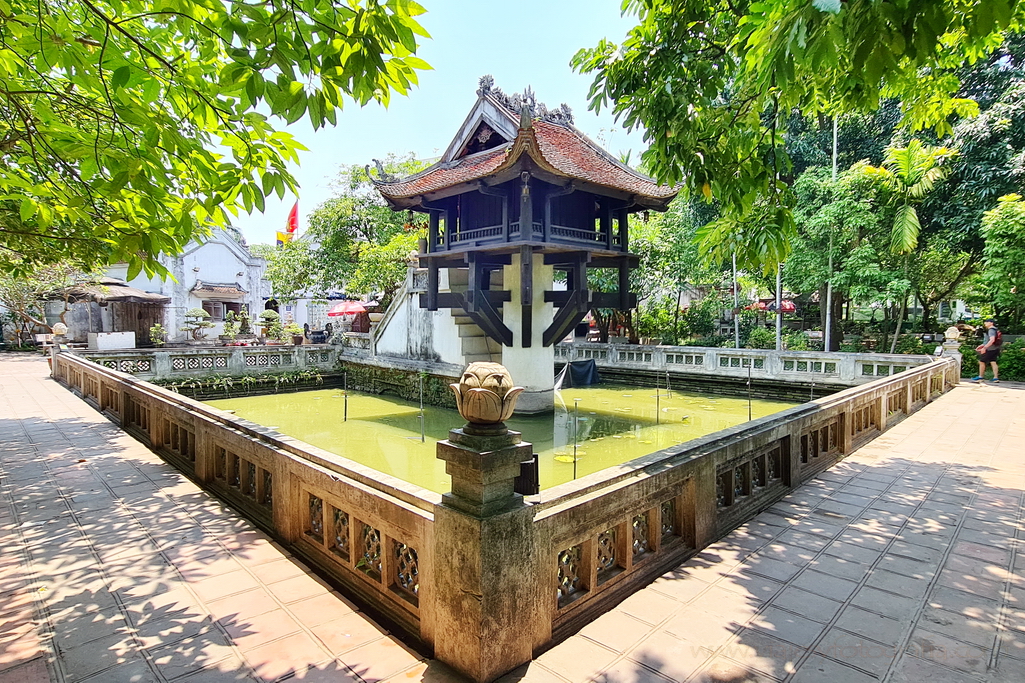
x=230 y=326
x=157 y=335
x=291 y=331
x=245 y=326
x=196 y=320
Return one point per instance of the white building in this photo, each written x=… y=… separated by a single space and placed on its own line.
x=217 y=275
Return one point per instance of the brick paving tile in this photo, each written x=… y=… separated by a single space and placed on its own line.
x=877 y=627
x=292 y=654
x=700 y=628
x=617 y=630
x=787 y=626
x=763 y=653
x=33 y=671
x=942 y=649
x=380 y=659
x=817 y=669
x=856 y=651
x=671 y=657
x=724 y=670
x=577 y=659
x=629 y=670
x=347 y=632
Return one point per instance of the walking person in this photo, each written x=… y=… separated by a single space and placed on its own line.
x=989 y=351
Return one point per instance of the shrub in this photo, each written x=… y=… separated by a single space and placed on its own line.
x=761 y=338
x=910 y=344
x=157 y=335
x=796 y=341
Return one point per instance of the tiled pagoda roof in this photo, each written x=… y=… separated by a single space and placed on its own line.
x=558 y=148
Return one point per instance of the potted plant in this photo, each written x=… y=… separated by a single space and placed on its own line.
x=267 y=320
x=295 y=332
x=196 y=320
x=157 y=335
x=230 y=328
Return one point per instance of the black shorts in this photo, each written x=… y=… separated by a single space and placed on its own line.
x=989 y=356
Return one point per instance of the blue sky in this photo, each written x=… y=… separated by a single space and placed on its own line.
x=519 y=42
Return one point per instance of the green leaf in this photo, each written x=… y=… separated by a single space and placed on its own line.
x=28 y=209
x=120 y=77
x=831 y=6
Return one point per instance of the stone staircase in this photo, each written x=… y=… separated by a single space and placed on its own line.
x=475 y=345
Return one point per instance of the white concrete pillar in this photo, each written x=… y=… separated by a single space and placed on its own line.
x=532 y=368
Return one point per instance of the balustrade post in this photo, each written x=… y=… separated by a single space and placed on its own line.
x=487 y=607
x=162 y=364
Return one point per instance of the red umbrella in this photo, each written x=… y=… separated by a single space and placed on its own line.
x=347 y=308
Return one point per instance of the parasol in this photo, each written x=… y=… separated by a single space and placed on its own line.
x=347 y=308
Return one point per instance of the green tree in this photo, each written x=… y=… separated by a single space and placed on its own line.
x=710 y=82
x=382 y=268
x=24 y=293
x=907 y=176
x=294 y=270
x=1004 y=273
x=357 y=216
x=128 y=127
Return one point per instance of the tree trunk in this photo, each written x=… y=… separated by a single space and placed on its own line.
x=676 y=319
x=900 y=321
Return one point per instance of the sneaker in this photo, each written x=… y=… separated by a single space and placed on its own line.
x=975 y=379
x=994 y=381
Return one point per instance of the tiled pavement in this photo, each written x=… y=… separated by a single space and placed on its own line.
x=904 y=563
x=115 y=568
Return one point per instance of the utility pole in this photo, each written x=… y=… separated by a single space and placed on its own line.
x=779 y=308
x=736 y=305
x=827 y=338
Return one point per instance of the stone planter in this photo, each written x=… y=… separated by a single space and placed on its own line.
x=297 y=339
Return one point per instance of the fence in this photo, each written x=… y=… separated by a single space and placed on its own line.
x=226 y=360
x=465 y=585
x=845 y=369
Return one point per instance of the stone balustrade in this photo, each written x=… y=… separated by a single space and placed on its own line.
x=225 y=360
x=844 y=369
x=485 y=584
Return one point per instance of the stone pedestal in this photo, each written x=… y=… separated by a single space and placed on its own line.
x=532 y=364
x=952 y=349
x=486 y=583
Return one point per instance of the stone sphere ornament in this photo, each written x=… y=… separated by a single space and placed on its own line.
x=952 y=333
x=485 y=394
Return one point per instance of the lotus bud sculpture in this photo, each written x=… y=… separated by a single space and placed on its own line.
x=485 y=394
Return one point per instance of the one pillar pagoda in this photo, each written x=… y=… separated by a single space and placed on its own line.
x=518 y=194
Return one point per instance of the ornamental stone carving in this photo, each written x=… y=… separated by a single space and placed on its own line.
x=952 y=333
x=485 y=394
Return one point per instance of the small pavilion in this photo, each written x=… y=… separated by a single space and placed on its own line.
x=519 y=194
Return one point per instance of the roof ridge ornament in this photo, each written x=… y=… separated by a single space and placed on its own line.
x=562 y=115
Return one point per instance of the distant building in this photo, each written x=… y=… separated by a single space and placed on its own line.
x=218 y=275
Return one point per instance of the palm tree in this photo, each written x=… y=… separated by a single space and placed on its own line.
x=907 y=175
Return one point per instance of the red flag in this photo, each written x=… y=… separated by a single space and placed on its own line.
x=293 y=219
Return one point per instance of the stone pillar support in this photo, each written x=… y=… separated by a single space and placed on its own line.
x=487 y=597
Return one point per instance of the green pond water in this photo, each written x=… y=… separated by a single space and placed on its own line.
x=613 y=424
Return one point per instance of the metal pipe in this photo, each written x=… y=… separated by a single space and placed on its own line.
x=749 y=389
x=576 y=418
x=827 y=338
x=345 y=391
x=423 y=436
x=779 y=307
x=736 y=305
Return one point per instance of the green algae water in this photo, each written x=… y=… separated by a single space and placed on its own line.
x=611 y=425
